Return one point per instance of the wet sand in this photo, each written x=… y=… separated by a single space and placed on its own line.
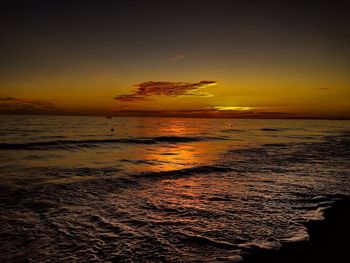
x=329 y=240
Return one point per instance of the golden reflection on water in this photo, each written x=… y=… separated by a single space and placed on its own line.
x=162 y=156
x=165 y=157
x=174 y=156
x=180 y=156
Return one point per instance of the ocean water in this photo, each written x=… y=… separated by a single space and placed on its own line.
x=90 y=189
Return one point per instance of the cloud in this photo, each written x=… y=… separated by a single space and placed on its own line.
x=182 y=56
x=17 y=104
x=8 y=99
x=168 y=89
x=129 y=98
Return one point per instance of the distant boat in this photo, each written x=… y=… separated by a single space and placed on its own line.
x=108 y=117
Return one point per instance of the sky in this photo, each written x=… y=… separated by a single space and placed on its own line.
x=224 y=59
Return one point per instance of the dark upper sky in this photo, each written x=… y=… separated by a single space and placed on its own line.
x=187 y=41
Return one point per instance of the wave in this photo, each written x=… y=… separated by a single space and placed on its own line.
x=68 y=144
x=232 y=130
x=99 y=211
x=270 y=129
x=321 y=240
x=205 y=169
x=206 y=241
x=137 y=161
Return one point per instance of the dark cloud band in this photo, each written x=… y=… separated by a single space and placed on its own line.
x=10 y=103
x=169 y=89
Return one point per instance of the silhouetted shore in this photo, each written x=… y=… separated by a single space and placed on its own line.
x=329 y=240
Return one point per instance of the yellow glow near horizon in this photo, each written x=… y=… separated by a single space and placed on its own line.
x=265 y=65
x=233 y=108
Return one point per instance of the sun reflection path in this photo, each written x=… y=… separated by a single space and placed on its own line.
x=173 y=156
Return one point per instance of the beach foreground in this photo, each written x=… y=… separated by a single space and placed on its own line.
x=72 y=190
x=329 y=240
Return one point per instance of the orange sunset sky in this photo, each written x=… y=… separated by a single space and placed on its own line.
x=179 y=59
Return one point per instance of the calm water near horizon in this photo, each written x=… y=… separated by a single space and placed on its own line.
x=163 y=189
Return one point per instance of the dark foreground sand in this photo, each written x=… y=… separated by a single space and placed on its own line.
x=329 y=241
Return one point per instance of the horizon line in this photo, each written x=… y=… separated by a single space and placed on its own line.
x=179 y=117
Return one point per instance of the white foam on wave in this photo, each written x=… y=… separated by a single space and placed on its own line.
x=263 y=244
x=299 y=236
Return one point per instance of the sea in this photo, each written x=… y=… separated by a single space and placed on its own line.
x=93 y=189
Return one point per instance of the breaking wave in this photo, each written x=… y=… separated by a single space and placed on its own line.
x=69 y=144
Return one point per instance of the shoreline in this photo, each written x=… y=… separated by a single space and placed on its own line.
x=328 y=242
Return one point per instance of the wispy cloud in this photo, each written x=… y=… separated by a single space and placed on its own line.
x=181 y=56
x=9 y=103
x=169 y=89
x=129 y=98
